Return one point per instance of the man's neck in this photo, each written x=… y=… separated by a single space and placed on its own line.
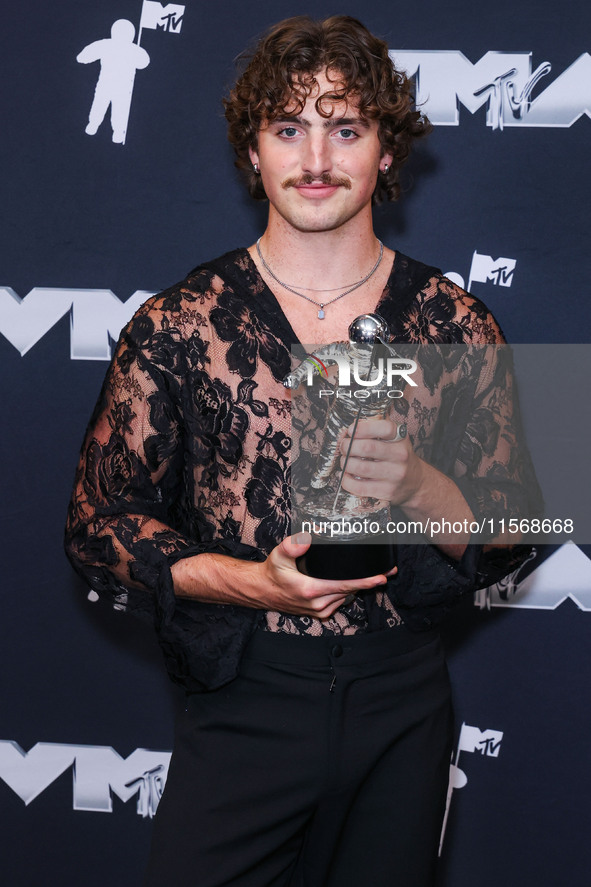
x=319 y=258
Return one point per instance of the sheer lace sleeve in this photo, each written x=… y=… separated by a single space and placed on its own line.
x=120 y=522
x=162 y=465
x=466 y=423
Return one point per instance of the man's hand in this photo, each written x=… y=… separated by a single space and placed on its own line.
x=274 y=584
x=387 y=469
x=380 y=466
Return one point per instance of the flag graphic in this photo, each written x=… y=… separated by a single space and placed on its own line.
x=155 y=16
x=472 y=739
x=487 y=742
x=485 y=268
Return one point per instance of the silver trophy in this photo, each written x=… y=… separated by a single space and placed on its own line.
x=361 y=390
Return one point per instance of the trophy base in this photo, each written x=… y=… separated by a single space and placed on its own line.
x=346 y=561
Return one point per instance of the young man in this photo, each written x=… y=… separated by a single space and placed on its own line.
x=315 y=745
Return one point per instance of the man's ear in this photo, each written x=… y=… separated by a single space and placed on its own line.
x=385 y=162
x=254 y=157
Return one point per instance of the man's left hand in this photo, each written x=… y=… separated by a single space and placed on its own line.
x=380 y=466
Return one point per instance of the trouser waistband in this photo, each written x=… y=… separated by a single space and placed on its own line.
x=308 y=650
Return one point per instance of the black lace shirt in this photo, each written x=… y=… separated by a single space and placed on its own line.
x=188 y=449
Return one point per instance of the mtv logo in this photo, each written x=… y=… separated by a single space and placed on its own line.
x=485 y=269
x=472 y=739
x=504 y=83
x=565 y=574
x=96 y=317
x=162 y=18
x=98 y=773
x=487 y=742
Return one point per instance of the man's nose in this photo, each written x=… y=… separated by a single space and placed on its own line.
x=317 y=155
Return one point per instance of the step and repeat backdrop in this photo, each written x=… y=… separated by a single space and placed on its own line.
x=117 y=179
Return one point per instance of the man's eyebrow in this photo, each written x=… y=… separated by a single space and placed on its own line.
x=328 y=123
x=347 y=121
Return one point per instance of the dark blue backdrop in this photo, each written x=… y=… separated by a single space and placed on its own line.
x=83 y=214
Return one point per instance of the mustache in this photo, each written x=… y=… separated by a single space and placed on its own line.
x=324 y=179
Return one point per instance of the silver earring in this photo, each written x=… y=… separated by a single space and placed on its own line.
x=255 y=166
x=386 y=168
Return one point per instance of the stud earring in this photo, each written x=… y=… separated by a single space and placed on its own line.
x=255 y=166
x=386 y=168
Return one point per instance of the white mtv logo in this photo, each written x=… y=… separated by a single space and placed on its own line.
x=161 y=18
x=96 y=317
x=504 y=82
x=485 y=269
x=98 y=772
x=473 y=739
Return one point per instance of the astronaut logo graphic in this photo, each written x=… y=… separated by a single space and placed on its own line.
x=120 y=59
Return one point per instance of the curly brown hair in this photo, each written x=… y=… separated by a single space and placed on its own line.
x=280 y=72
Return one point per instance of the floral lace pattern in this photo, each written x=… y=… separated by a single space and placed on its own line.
x=188 y=451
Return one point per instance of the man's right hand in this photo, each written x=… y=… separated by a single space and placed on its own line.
x=274 y=584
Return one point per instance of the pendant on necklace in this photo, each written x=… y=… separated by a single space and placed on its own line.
x=321 y=313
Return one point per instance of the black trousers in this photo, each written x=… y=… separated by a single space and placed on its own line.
x=323 y=764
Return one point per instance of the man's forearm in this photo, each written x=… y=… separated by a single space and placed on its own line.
x=274 y=584
x=438 y=498
x=217 y=579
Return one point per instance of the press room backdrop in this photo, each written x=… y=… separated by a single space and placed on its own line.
x=94 y=218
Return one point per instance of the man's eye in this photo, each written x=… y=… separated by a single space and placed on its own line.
x=288 y=131
x=347 y=134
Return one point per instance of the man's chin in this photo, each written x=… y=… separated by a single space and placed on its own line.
x=316 y=224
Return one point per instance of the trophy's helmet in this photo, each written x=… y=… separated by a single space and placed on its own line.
x=368 y=329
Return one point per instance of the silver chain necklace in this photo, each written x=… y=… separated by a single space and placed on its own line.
x=320 y=305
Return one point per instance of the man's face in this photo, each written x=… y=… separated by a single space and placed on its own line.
x=320 y=173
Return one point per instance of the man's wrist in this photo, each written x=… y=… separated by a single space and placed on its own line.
x=215 y=578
